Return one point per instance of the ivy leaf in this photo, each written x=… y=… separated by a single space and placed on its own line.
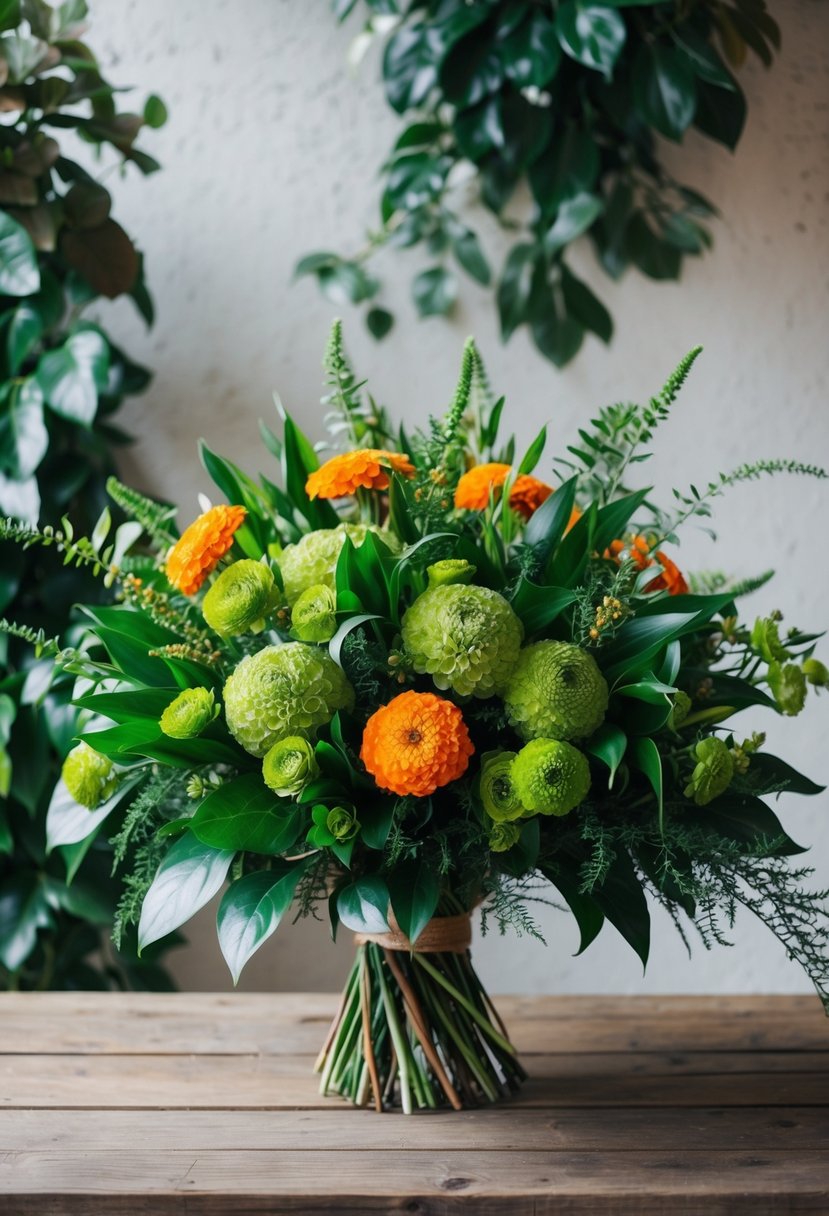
x=251 y=910
x=591 y=34
x=434 y=292
x=72 y=376
x=19 y=275
x=187 y=879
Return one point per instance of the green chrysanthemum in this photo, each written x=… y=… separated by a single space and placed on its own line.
x=498 y=795
x=550 y=777
x=240 y=599
x=503 y=836
x=713 y=772
x=188 y=715
x=556 y=691
x=283 y=690
x=313 y=559
x=89 y=776
x=313 y=616
x=465 y=638
x=289 y=765
x=788 y=687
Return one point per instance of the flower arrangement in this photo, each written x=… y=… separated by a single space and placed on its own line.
x=416 y=679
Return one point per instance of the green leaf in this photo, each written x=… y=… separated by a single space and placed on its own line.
x=656 y=258
x=298 y=460
x=245 y=814
x=25 y=331
x=769 y=774
x=73 y=375
x=363 y=905
x=19 y=275
x=643 y=754
x=335 y=646
x=188 y=878
x=703 y=57
x=591 y=34
x=589 y=917
x=547 y=525
x=24 y=439
x=532 y=53
x=375 y=822
x=559 y=338
x=24 y=908
x=744 y=817
x=414 y=889
x=608 y=744
x=434 y=292
x=470 y=255
x=574 y=216
x=651 y=690
x=569 y=166
x=533 y=453
x=133 y=659
x=720 y=113
x=346 y=283
x=514 y=289
x=538 y=606
x=69 y=823
x=585 y=307
x=664 y=89
x=9 y=14
x=251 y=910
x=639 y=640
x=410 y=65
x=155 y=112
x=623 y=902
x=379 y=322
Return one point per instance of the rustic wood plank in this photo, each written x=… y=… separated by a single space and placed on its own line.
x=274 y=1082
x=284 y=1024
x=545 y=1184
x=784 y=1129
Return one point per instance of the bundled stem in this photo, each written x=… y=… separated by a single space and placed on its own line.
x=417 y=1031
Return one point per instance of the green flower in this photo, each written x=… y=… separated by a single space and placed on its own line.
x=90 y=777
x=332 y=826
x=713 y=772
x=283 y=690
x=240 y=599
x=496 y=788
x=556 y=692
x=788 y=686
x=313 y=616
x=816 y=673
x=451 y=570
x=313 y=560
x=503 y=836
x=550 y=776
x=765 y=638
x=189 y=713
x=289 y=765
x=681 y=709
x=465 y=638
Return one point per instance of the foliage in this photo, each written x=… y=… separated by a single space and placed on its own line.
x=569 y=100
x=61 y=381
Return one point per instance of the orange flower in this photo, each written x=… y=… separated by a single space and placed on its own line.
x=366 y=469
x=472 y=492
x=201 y=547
x=636 y=547
x=671 y=579
x=527 y=494
x=416 y=743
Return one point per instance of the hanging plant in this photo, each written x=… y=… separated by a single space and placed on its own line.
x=567 y=99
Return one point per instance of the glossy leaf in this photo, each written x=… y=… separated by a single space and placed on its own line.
x=644 y=755
x=68 y=823
x=23 y=436
x=592 y=34
x=574 y=216
x=244 y=814
x=589 y=916
x=187 y=879
x=73 y=375
x=538 y=606
x=251 y=910
x=363 y=905
x=414 y=889
x=434 y=292
x=19 y=275
x=608 y=744
x=665 y=89
x=24 y=909
x=623 y=902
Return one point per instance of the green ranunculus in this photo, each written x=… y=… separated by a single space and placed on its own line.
x=556 y=691
x=89 y=777
x=451 y=570
x=713 y=772
x=497 y=790
x=314 y=614
x=289 y=765
x=550 y=776
x=240 y=599
x=503 y=836
x=189 y=713
x=788 y=687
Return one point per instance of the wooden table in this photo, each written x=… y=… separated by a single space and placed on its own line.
x=140 y=1104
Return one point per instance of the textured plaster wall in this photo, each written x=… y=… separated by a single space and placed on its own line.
x=272 y=150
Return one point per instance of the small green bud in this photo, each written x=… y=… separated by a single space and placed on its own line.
x=503 y=836
x=765 y=638
x=189 y=713
x=550 y=776
x=289 y=765
x=496 y=788
x=713 y=772
x=451 y=570
x=240 y=599
x=342 y=823
x=681 y=709
x=314 y=615
x=816 y=673
x=89 y=776
x=788 y=686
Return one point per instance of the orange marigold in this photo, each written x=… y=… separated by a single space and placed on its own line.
x=366 y=469
x=416 y=743
x=670 y=579
x=527 y=494
x=201 y=547
x=472 y=491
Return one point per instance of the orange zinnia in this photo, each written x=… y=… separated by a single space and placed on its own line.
x=202 y=546
x=527 y=494
x=472 y=492
x=364 y=469
x=416 y=743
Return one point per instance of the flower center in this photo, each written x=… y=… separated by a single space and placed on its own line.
x=414 y=735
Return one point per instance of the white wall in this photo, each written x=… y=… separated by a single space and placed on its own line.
x=272 y=150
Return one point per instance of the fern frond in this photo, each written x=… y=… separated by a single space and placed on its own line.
x=154 y=517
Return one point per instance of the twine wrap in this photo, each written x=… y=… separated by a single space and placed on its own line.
x=442 y=935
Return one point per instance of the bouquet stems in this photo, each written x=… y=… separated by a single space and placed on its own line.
x=417 y=1031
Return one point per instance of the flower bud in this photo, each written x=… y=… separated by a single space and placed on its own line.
x=240 y=599
x=550 y=776
x=313 y=617
x=816 y=673
x=503 y=836
x=189 y=714
x=289 y=765
x=496 y=787
x=451 y=570
x=89 y=777
x=765 y=639
x=788 y=686
x=342 y=823
x=713 y=772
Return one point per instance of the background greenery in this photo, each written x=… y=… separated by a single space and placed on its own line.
x=567 y=99
x=61 y=380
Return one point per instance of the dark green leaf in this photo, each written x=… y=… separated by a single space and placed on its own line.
x=434 y=292
x=379 y=322
x=559 y=338
x=375 y=822
x=665 y=89
x=468 y=251
x=24 y=333
x=743 y=817
x=769 y=774
x=532 y=52
x=188 y=878
x=720 y=113
x=251 y=910
x=548 y=524
x=245 y=814
x=574 y=216
x=539 y=606
x=24 y=439
x=73 y=375
x=591 y=34
x=515 y=287
x=363 y=905
x=589 y=916
x=19 y=275
x=643 y=754
x=585 y=307
x=608 y=744
x=623 y=902
x=410 y=65
x=414 y=889
x=24 y=908
x=656 y=258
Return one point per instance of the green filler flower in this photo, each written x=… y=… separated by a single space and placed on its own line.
x=713 y=772
x=556 y=691
x=550 y=776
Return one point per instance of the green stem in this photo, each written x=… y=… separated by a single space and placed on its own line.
x=483 y=1022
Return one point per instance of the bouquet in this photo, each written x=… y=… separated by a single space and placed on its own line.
x=413 y=680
